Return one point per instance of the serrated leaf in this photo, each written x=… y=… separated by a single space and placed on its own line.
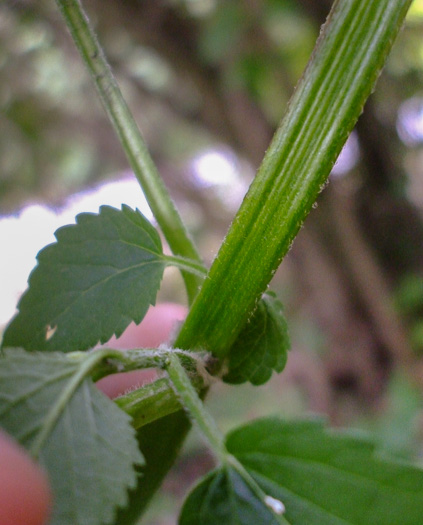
x=325 y=477
x=225 y=497
x=100 y=275
x=89 y=452
x=262 y=345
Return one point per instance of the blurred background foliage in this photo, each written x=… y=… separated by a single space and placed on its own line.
x=208 y=81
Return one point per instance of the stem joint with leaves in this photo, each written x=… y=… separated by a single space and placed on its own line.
x=105 y=271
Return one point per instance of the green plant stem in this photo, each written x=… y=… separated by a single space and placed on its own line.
x=187 y=265
x=232 y=462
x=153 y=400
x=202 y=418
x=194 y=406
x=114 y=361
x=342 y=73
x=345 y=65
x=131 y=139
x=139 y=358
x=149 y=403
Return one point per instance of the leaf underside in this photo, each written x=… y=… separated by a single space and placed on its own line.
x=90 y=452
x=101 y=274
x=262 y=345
x=325 y=477
x=224 y=497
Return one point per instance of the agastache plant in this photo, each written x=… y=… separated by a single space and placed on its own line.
x=105 y=459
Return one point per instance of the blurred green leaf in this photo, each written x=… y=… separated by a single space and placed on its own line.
x=325 y=477
x=409 y=295
x=160 y=443
x=222 y=31
x=397 y=427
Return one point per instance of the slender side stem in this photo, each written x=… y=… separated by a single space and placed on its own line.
x=149 y=403
x=187 y=265
x=345 y=65
x=131 y=139
x=153 y=400
x=139 y=358
x=195 y=407
x=203 y=419
x=277 y=506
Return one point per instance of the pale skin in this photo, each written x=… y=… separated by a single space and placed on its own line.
x=25 y=494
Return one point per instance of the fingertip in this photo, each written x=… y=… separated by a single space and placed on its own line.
x=155 y=329
x=25 y=495
x=117 y=384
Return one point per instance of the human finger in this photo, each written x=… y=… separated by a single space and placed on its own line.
x=25 y=496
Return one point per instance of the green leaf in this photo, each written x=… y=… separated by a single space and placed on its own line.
x=100 y=275
x=261 y=346
x=325 y=477
x=86 y=444
x=226 y=497
x=160 y=443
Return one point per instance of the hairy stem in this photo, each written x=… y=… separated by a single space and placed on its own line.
x=194 y=406
x=345 y=65
x=207 y=425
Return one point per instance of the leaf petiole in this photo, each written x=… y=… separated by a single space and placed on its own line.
x=194 y=406
x=87 y=363
x=186 y=265
x=196 y=410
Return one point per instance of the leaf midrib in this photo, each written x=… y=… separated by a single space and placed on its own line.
x=298 y=496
